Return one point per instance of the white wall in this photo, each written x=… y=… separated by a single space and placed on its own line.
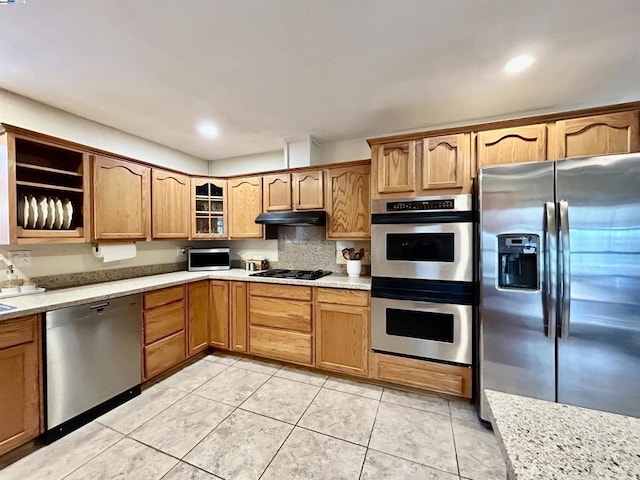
x=344 y=151
x=259 y=162
x=330 y=152
x=26 y=113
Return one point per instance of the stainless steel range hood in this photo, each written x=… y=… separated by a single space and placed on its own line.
x=311 y=218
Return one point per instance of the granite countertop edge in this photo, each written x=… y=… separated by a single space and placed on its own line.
x=542 y=440
x=68 y=297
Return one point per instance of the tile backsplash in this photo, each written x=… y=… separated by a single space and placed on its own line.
x=307 y=248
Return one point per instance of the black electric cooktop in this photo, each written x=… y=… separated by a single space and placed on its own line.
x=298 y=274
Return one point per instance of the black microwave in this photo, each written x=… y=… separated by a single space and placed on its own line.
x=208 y=259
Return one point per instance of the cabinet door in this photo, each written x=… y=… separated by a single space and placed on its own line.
x=121 y=192
x=395 y=167
x=511 y=145
x=198 y=317
x=445 y=162
x=308 y=190
x=277 y=192
x=20 y=393
x=208 y=208
x=598 y=135
x=342 y=338
x=348 y=202
x=219 y=314
x=164 y=354
x=245 y=204
x=239 y=316
x=169 y=204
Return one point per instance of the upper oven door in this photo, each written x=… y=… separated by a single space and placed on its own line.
x=438 y=251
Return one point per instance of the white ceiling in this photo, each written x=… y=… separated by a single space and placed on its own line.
x=265 y=70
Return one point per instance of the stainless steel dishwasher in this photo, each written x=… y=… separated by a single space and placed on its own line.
x=92 y=361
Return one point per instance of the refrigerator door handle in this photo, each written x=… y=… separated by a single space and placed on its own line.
x=549 y=294
x=565 y=264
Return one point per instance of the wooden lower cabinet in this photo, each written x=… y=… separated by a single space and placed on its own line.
x=164 y=354
x=198 y=317
x=281 y=344
x=164 y=330
x=436 y=377
x=239 y=317
x=281 y=323
x=219 y=314
x=20 y=381
x=342 y=338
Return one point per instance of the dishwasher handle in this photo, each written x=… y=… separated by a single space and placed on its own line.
x=99 y=306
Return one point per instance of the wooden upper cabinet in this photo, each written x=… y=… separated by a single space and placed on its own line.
x=169 y=204
x=277 y=192
x=348 y=202
x=308 y=190
x=245 y=204
x=395 y=167
x=121 y=195
x=208 y=208
x=445 y=162
x=511 y=145
x=598 y=135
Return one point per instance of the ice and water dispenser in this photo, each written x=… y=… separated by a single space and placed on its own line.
x=518 y=261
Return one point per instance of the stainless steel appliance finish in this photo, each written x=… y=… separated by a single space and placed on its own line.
x=576 y=338
x=205 y=259
x=92 y=355
x=297 y=274
x=428 y=237
x=422 y=329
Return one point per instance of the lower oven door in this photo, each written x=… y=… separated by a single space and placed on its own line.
x=437 y=331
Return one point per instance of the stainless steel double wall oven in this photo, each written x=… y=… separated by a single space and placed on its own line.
x=423 y=293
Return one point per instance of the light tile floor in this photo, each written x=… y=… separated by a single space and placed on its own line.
x=241 y=419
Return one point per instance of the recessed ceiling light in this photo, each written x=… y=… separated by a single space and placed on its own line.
x=208 y=129
x=518 y=64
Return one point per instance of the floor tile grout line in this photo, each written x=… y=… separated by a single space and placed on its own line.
x=351 y=393
x=95 y=456
x=184 y=394
x=277 y=451
x=417 y=409
x=455 y=448
x=373 y=426
x=412 y=461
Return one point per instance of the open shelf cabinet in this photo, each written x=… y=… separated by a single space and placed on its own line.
x=44 y=190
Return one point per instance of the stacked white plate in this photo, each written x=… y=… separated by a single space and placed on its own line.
x=45 y=213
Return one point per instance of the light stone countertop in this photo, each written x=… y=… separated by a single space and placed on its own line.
x=543 y=440
x=55 y=299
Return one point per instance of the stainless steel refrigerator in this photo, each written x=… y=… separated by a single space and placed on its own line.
x=560 y=281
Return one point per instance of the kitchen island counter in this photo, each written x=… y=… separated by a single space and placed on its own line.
x=542 y=440
x=55 y=299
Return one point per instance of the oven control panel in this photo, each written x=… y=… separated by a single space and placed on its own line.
x=421 y=205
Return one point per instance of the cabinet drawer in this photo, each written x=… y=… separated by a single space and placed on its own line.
x=163 y=354
x=281 y=344
x=287 y=314
x=163 y=321
x=18 y=331
x=280 y=291
x=342 y=296
x=436 y=377
x=164 y=296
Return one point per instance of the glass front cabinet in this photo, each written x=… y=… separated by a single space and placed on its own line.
x=208 y=208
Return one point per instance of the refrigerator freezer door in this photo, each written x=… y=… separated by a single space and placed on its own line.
x=517 y=352
x=599 y=355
